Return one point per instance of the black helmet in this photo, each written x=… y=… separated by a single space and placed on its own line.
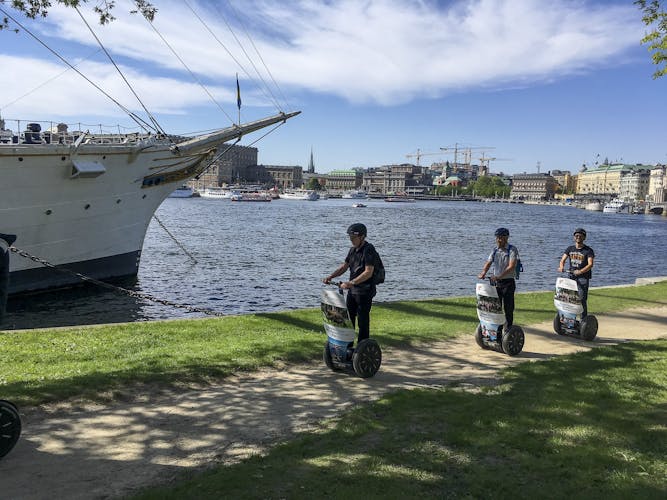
x=502 y=231
x=580 y=230
x=357 y=229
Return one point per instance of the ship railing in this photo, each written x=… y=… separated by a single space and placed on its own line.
x=48 y=132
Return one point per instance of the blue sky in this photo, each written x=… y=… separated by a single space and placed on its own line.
x=551 y=83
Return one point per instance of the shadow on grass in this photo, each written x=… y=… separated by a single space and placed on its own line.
x=585 y=426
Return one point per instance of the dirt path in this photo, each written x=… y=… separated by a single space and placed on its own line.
x=78 y=451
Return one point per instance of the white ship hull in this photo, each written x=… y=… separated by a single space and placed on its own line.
x=300 y=195
x=616 y=206
x=86 y=208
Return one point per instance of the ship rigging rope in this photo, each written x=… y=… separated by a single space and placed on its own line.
x=194 y=77
x=115 y=288
x=152 y=118
x=139 y=121
x=264 y=89
x=247 y=33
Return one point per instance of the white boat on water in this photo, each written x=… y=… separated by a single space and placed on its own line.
x=355 y=195
x=594 y=206
x=616 y=206
x=217 y=193
x=300 y=194
x=182 y=192
x=83 y=201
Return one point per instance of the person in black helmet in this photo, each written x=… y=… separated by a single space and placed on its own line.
x=502 y=263
x=361 y=260
x=581 y=258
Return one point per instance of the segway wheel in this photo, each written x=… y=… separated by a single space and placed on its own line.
x=367 y=358
x=328 y=360
x=10 y=427
x=479 y=339
x=513 y=341
x=558 y=327
x=589 y=327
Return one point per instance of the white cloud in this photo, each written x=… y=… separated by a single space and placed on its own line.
x=379 y=52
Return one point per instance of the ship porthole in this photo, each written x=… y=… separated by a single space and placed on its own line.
x=63 y=158
x=104 y=157
x=20 y=159
x=48 y=212
x=117 y=201
x=87 y=206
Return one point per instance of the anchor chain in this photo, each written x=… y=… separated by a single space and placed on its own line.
x=109 y=286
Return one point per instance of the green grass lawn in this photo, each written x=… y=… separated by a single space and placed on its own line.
x=590 y=425
x=53 y=364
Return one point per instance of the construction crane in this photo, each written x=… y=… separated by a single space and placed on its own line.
x=485 y=162
x=419 y=154
x=466 y=151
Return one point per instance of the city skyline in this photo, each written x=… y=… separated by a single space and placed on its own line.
x=555 y=86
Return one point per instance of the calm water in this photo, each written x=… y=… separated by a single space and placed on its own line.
x=261 y=257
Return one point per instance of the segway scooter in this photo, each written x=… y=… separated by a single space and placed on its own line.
x=568 y=318
x=10 y=426
x=339 y=353
x=491 y=318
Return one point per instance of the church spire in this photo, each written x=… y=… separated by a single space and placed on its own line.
x=311 y=164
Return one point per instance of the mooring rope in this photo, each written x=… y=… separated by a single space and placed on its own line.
x=115 y=288
x=174 y=238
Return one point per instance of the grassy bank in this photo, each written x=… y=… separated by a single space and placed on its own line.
x=54 y=364
x=590 y=425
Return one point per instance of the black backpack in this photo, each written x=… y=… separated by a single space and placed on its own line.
x=378 y=271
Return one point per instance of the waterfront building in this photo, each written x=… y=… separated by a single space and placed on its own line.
x=285 y=177
x=566 y=181
x=230 y=168
x=634 y=185
x=656 y=185
x=403 y=178
x=604 y=180
x=533 y=187
x=344 y=180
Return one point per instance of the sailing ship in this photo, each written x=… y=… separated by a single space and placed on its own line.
x=83 y=201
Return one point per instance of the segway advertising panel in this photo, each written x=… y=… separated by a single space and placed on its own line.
x=339 y=351
x=568 y=304
x=491 y=319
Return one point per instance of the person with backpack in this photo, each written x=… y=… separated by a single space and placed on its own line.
x=502 y=262
x=581 y=258
x=366 y=270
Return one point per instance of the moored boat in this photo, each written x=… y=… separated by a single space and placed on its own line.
x=251 y=197
x=83 y=201
x=616 y=206
x=217 y=193
x=355 y=195
x=300 y=194
x=182 y=192
x=594 y=206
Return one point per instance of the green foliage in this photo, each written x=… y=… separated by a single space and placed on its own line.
x=490 y=187
x=654 y=16
x=314 y=184
x=39 y=8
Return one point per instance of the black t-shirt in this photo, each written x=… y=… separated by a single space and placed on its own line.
x=358 y=259
x=579 y=258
